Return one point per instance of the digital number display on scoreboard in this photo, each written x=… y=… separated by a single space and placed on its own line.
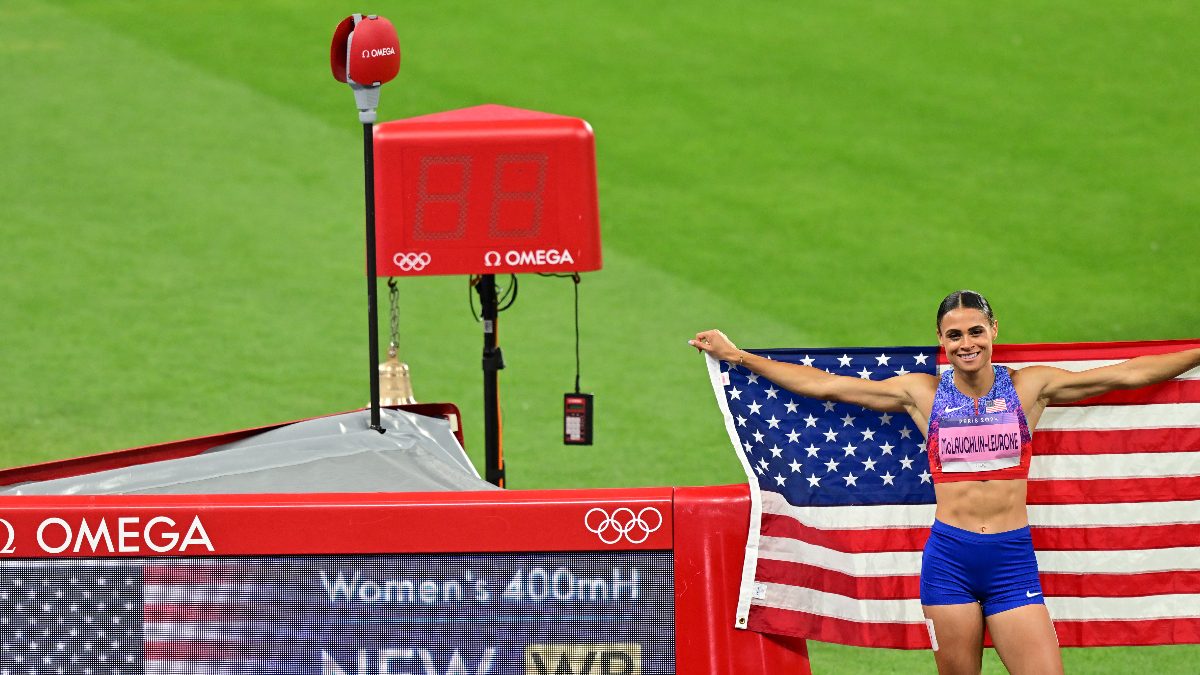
x=576 y=613
x=486 y=190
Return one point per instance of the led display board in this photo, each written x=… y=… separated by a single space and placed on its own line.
x=486 y=190
x=543 y=614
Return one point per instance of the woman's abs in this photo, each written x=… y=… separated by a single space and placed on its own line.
x=988 y=506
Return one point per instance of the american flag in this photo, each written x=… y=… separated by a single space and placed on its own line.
x=457 y=614
x=842 y=502
x=67 y=618
x=131 y=617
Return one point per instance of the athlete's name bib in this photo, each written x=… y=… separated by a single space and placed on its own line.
x=979 y=442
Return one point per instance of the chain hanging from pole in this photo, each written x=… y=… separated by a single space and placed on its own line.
x=394 y=300
x=395 y=383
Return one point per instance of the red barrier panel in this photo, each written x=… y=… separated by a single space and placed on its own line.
x=561 y=581
x=710 y=545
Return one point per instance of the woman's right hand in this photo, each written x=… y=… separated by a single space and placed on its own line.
x=715 y=343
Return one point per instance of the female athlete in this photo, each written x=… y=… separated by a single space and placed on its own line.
x=978 y=567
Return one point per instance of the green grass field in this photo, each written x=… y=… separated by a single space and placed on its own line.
x=181 y=218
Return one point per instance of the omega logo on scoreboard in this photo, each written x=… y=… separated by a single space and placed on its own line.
x=109 y=536
x=486 y=190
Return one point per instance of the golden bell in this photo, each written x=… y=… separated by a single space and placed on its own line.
x=395 y=386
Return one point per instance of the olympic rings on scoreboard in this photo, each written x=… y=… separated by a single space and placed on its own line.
x=623 y=523
x=412 y=262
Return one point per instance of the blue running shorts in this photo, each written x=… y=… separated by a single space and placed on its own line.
x=999 y=571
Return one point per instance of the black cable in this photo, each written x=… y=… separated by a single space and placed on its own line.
x=510 y=291
x=471 y=281
x=506 y=299
x=574 y=276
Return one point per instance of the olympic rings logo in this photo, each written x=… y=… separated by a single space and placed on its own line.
x=623 y=523
x=412 y=262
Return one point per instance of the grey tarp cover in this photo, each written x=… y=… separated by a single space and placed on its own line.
x=329 y=454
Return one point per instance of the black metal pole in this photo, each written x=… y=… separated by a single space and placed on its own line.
x=493 y=362
x=372 y=300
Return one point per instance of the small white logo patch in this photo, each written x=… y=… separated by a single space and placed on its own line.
x=950 y=410
x=1032 y=595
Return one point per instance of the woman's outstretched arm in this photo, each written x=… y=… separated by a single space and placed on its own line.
x=1063 y=386
x=896 y=394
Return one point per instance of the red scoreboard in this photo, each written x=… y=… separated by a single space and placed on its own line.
x=486 y=190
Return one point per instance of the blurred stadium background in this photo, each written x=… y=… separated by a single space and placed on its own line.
x=180 y=212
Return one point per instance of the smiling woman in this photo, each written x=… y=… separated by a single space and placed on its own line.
x=978 y=568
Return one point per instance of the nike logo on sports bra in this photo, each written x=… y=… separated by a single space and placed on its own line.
x=950 y=410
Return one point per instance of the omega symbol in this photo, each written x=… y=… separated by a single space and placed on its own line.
x=12 y=536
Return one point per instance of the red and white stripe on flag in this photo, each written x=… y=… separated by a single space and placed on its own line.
x=1114 y=503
